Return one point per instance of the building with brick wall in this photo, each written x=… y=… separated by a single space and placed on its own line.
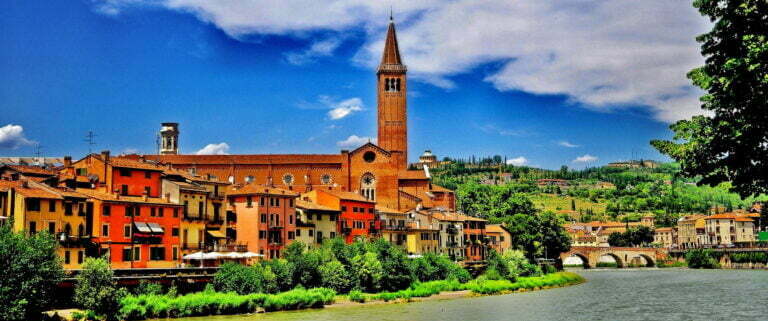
x=357 y=216
x=378 y=172
x=266 y=217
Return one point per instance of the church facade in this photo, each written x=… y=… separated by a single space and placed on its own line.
x=378 y=172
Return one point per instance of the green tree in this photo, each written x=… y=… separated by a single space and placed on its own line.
x=723 y=147
x=96 y=289
x=368 y=270
x=336 y=276
x=30 y=271
x=233 y=277
x=283 y=273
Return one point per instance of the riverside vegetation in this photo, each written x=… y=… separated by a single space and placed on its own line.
x=311 y=278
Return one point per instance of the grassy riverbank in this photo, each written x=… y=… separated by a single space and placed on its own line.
x=216 y=303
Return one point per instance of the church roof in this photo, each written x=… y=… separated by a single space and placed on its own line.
x=249 y=159
x=390 y=60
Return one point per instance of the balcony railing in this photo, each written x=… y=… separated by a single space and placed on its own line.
x=216 y=220
x=396 y=227
x=74 y=240
x=275 y=225
x=225 y=248
x=214 y=196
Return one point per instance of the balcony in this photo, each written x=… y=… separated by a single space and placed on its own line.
x=225 y=247
x=346 y=230
x=300 y=223
x=216 y=220
x=396 y=227
x=452 y=230
x=452 y=244
x=214 y=196
x=74 y=240
x=274 y=225
x=275 y=242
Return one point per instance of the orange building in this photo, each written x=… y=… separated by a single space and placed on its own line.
x=474 y=238
x=357 y=218
x=266 y=217
x=377 y=172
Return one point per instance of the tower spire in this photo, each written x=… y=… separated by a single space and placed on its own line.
x=390 y=60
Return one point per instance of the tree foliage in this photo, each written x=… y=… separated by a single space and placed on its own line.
x=96 y=289
x=30 y=270
x=731 y=144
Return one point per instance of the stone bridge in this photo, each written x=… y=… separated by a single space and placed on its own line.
x=590 y=255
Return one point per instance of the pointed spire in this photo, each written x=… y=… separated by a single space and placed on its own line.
x=390 y=60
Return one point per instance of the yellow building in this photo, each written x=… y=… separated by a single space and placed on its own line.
x=666 y=237
x=690 y=231
x=314 y=222
x=498 y=237
x=61 y=212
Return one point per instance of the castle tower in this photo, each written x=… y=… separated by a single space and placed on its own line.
x=393 y=124
x=169 y=138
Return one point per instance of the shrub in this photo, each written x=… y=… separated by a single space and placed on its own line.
x=484 y=286
x=283 y=273
x=335 y=276
x=96 y=290
x=146 y=287
x=368 y=271
x=701 y=259
x=357 y=296
x=30 y=273
x=233 y=277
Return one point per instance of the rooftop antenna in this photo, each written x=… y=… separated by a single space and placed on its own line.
x=38 y=154
x=90 y=140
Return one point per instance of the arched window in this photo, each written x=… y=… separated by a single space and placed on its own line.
x=397 y=84
x=68 y=229
x=80 y=230
x=368 y=186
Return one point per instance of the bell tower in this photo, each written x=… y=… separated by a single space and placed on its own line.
x=393 y=123
x=169 y=138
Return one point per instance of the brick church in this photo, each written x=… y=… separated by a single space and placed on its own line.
x=377 y=172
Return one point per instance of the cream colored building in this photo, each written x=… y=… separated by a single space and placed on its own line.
x=729 y=229
x=690 y=231
x=315 y=223
x=666 y=237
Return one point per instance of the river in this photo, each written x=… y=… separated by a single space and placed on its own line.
x=668 y=294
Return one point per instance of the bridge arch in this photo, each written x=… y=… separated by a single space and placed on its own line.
x=584 y=259
x=618 y=259
x=649 y=261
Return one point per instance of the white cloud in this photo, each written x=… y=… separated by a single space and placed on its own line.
x=587 y=158
x=214 y=149
x=602 y=55
x=130 y=150
x=493 y=129
x=518 y=161
x=565 y=143
x=12 y=137
x=343 y=108
x=355 y=141
x=322 y=48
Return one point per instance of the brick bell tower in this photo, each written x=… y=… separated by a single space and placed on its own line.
x=393 y=122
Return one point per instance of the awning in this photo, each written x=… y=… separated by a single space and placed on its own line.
x=216 y=234
x=142 y=227
x=156 y=228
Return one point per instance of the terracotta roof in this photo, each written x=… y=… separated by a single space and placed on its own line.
x=189 y=176
x=664 y=229
x=249 y=159
x=721 y=216
x=415 y=174
x=190 y=187
x=349 y=196
x=6 y=185
x=744 y=219
x=391 y=55
x=384 y=209
x=32 y=170
x=313 y=206
x=249 y=189
x=36 y=192
x=121 y=198
x=123 y=162
x=495 y=228
x=438 y=188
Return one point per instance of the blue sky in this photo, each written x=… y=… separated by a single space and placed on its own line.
x=568 y=83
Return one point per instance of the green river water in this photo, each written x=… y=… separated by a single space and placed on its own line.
x=669 y=294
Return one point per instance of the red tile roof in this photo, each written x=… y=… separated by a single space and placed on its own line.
x=32 y=170
x=250 y=189
x=6 y=185
x=313 y=206
x=249 y=159
x=349 y=196
x=415 y=174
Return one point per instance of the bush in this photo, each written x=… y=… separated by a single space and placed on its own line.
x=30 y=273
x=283 y=273
x=701 y=259
x=335 y=276
x=146 y=287
x=368 y=270
x=96 y=289
x=233 y=277
x=484 y=286
x=357 y=296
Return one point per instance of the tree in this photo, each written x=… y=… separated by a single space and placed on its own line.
x=617 y=239
x=573 y=204
x=233 y=277
x=30 y=273
x=368 y=270
x=763 y=215
x=96 y=289
x=729 y=145
x=335 y=276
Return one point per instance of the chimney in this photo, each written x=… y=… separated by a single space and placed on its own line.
x=105 y=156
x=24 y=184
x=141 y=159
x=67 y=161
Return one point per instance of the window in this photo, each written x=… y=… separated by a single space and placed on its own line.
x=263 y=218
x=125 y=172
x=68 y=209
x=319 y=217
x=311 y=232
x=343 y=208
x=262 y=202
x=291 y=235
x=262 y=234
x=332 y=217
x=52 y=227
x=175 y=231
x=106 y=210
x=81 y=209
x=105 y=230
x=290 y=219
x=147 y=174
x=157 y=253
x=79 y=257
x=175 y=254
x=33 y=204
x=333 y=234
x=152 y=211
x=160 y=212
x=369 y=156
x=288 y=179
x=326 y=179
x=137 y=254
x=248 y=201
x=32 y=227
x=147 y=190
x=51 y=205
x=368 y=186
x=248 y=179
x=127 y=231
x=277 y=202
x=127 y=254
x=66 y=257
x=309 y=216
x=175 y=212
x=298 y=232
x=354 y=209
x=124 y=189
x=290 y=202
x=370 y=210
x=82 y=172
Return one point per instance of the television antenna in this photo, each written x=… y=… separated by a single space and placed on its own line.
x=90 y=140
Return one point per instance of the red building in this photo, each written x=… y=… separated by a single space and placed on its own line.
x=266 y=217
x=358 y=215
x=475 y=242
